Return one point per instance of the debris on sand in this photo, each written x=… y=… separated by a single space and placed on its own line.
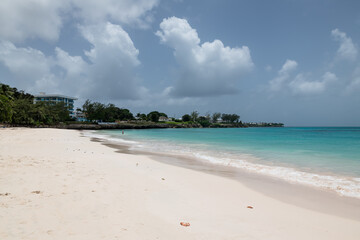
x=185 y=224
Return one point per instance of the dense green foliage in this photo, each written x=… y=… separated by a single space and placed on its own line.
x=17 y=107
x=27 y=113
x=155 y=115
x=215 y=117
x=230 y=118
x=6 y=110
x=96 y=111
x=204 y=121
x=186 y=118
x=141 y=116
x=207 y=120
x=194 y=115
x=8 y=98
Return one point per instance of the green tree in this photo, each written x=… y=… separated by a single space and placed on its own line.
x=7 y=91
x=230 y=118
x=23 y=112
x=105 y=113
x=162 y=114
x=111 y=113
x=204 y=121
x=234 y=118
x=153 y=116
x=6 y=110
x=141 y=116
x=41 y=113
x=59 y=112
x=194 y=115
x=7 y=97
x=215 y=117
x=124 y=114
x=94 y=111
x=186 y=118
x=87 y=109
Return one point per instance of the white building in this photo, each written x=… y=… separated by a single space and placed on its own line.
x=56 y=98
x=163 y=119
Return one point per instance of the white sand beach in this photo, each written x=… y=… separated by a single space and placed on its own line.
x=56 y=184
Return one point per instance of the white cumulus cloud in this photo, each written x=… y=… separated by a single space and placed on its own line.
x=208 y=69
x=277 y=83
x=120 y=11
x=108 y=69
x=29 y=67
x=108 y=72
x=300 y=85
x=43 y=19
x=23 y=19
x=113 y=59
x=347 y=49
x=74 y=65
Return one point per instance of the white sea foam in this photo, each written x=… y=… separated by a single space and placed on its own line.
x=94 y=134
x=343 y=185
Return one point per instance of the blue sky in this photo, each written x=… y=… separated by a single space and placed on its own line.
x=290 y=61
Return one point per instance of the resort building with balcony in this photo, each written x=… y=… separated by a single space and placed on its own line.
x=56 y=98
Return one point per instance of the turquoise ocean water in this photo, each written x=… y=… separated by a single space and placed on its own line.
x=324 y=157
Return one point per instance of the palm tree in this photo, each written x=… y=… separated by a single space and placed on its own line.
x=194 y=115
x=7 y=91
x=6 y=110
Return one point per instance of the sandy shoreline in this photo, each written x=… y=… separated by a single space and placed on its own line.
x=309 y=197
x=55 y=184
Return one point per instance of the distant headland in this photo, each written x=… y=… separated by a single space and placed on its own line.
x=18 y=108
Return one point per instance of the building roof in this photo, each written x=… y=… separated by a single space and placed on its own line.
x=53 y=95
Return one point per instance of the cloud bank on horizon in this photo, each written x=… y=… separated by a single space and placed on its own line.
x=109 y=62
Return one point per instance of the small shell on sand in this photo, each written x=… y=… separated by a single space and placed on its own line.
x=185 y=224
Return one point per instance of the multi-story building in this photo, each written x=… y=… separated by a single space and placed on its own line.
x=56 y=98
